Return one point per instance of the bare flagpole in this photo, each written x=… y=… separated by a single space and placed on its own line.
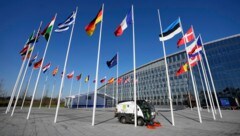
x=70 y=92
x=96 y=78
x=50 y=102
x=28 y=83
x=44 y=88
x=210 y=74
x=105 y=88
x=80 y=84
x=117 y=79
x=40 y=69
x=203 y=87
x=64 y=69
x=134 y=72
x=24 y=74
x=88 y=94
x=166 y=66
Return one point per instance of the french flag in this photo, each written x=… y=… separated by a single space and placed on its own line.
x=126 y=21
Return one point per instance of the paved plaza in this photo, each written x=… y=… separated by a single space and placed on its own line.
x=73 y=122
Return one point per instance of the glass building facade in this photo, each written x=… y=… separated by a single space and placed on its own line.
x=224 y=60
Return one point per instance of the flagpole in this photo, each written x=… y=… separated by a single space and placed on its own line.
x=198 y=98
x=44 y=88
x=16 y=84
x=105 y=88
x=113 y=95
x=96 y=78
x=117 y=78
x=64 y=69
x=121 y=89
x=24 y=74
x=203 y=87
x=87 y=94
x=166 y=66
x=79 y=92
x=52 y=93
x=29 y=80
x=40 y=69
x=191 y=73
x=208 y=89
x=70 y=92
x=210 y=74
x=134 y=72
x=27 y=88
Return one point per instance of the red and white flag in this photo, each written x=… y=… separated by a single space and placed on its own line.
x=70 y=75
x=189 y=36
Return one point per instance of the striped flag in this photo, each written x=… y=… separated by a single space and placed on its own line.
x=125 y=23
x=184 y=68
x=55 y=71
x=32 y=60
x=111 y=80
x=103 y=80
x=90 y=28
x=64 y=26
x=48 y=29
x=37 y=64
x=87 y=79
x=78 y=77
x=46 y=67
x=171 y=31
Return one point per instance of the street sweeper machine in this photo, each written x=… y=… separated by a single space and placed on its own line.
x=145 y=113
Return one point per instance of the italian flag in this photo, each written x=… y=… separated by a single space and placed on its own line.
x=46 y=32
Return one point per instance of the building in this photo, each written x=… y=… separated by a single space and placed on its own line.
x=224 y=60
x=85 y=100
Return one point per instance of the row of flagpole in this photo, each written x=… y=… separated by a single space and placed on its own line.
x=205 y=77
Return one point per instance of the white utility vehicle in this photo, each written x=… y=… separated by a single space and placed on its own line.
x=145 y=112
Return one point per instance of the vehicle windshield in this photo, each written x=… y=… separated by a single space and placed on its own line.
x=143 y=104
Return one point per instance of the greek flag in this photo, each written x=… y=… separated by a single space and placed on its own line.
x=64 y=26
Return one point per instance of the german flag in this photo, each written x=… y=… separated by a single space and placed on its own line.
x=90 y=28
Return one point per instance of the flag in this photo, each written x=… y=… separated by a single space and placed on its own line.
x=120 y=80
x=193 y=60
x=103 y=80
x=78 y=77
x=70 y=75
x=184 y=68
x=189 y=36
x=32 y=39
x=37 y=64
x=126 y=21
x=45 y=68
x=87 y=79
x=64 y=26
x=32 y=60
x=90 y=28
x=24 y=50
x=55 y=71
x=195 y=47
x=46 y=32
x=112 y=62
x=111 y=80
x=127 y=80
x=171 y=31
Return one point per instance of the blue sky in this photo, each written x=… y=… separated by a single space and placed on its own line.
x=213 y=19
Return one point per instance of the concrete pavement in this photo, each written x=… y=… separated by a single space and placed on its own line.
x=73 y=122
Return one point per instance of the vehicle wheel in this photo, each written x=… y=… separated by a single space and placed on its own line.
x=123 y=120
x=140 y=122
